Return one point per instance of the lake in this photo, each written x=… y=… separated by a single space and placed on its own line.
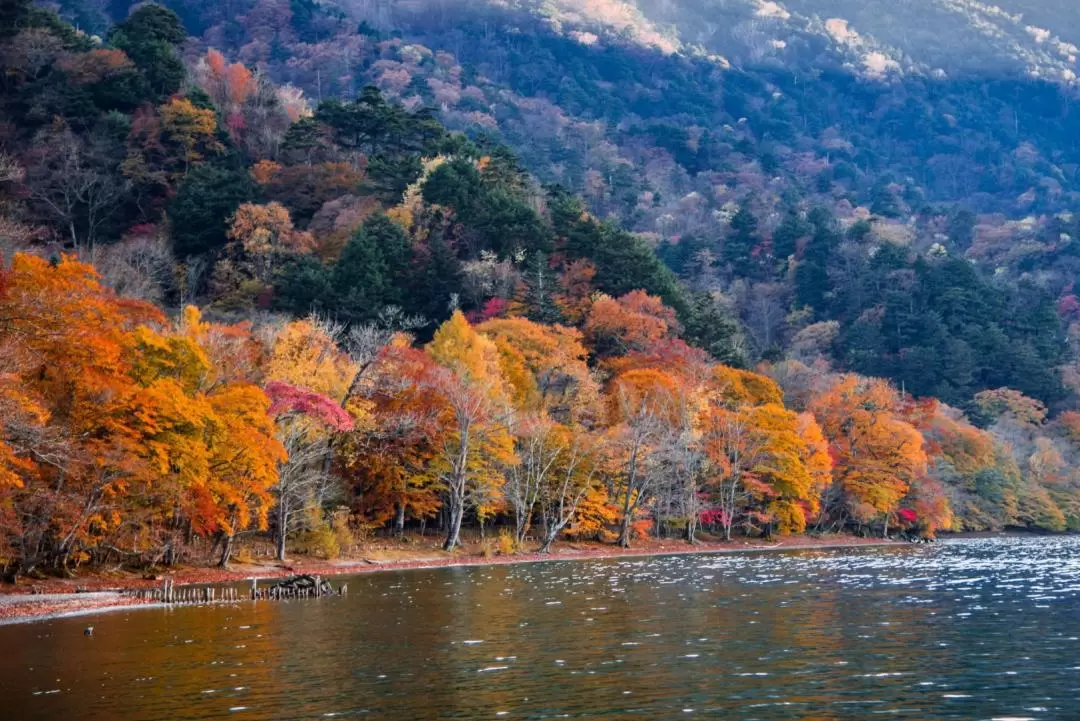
x=970 y=629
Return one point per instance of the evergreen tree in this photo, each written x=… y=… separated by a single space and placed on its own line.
x=150 y=36
x=741 y=241
x=539 y=282
x=205 y=200
x=303 y=286
x=709 y=327
x=372 y=270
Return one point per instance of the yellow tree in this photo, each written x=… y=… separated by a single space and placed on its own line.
x=573 y=477
x=211 y=435
x=556 y=399
x=476 y=445
x=192 y=128
x=244 y=458
x=311 y=373
x=767 y=465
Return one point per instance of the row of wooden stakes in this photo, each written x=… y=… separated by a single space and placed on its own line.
x=169 y=593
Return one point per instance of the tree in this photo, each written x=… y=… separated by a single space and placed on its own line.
x=476 y=443
x=573 y=478
x=206 y=198
x=643 y=403
x=557 y=380
x=392 y=460
x=193 y=129
x=742 y=242
x=245 y=454
x=308 y=373
x=265 y=235
x=633 y=322
x=372 y=271
x=536 y=296
x=877 y=454
x=71 y=182
x=303 y=418
x=150 y=36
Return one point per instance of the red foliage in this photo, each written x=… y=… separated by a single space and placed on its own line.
x=285 y=399
x=493 y=308
x=1069 y=306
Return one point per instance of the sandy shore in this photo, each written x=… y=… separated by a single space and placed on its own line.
x=98 y=593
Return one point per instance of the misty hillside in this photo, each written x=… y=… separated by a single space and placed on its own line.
x=1038 y=37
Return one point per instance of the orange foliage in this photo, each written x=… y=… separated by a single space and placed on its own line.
x=137 y=420
x=576 y=292
x=636 y=321
x=877 y=455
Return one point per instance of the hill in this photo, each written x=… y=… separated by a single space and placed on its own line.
x=405 y=319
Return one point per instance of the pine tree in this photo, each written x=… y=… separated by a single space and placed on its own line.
x=741 y=241
x=538 y=285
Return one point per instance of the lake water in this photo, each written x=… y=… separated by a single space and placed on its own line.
x=975 y=629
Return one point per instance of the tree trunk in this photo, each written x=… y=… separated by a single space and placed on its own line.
x=624 y=531
x=282 y=532
x=549 y=539
x=453 y=532
x=399 y=521
x=226 y=552
x=281 y=543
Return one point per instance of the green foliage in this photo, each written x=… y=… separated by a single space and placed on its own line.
x=497 y=216
x=624 y=262
x=392 y=138
x=947 y=332
x=741 y=242
x=372 y=271
x=539 y=288
x=707 y=326
x=150 y=37
x=204 y=201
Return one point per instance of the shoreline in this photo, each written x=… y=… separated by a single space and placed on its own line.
x=23 y=605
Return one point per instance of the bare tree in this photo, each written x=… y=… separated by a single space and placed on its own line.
x=569 y=483
x=637 y=438
x=539 y=446
x=70 y=184
x=141 y=267
x=303 y=483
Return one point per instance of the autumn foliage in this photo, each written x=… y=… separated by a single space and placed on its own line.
x=125 y=433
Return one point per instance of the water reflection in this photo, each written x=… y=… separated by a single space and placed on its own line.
x=966 y=630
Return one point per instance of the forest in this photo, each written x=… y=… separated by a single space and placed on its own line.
x=227 y=310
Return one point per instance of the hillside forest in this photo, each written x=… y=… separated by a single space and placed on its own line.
x=232 y=307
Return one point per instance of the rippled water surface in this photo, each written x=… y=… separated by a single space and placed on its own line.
x=978 y=629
